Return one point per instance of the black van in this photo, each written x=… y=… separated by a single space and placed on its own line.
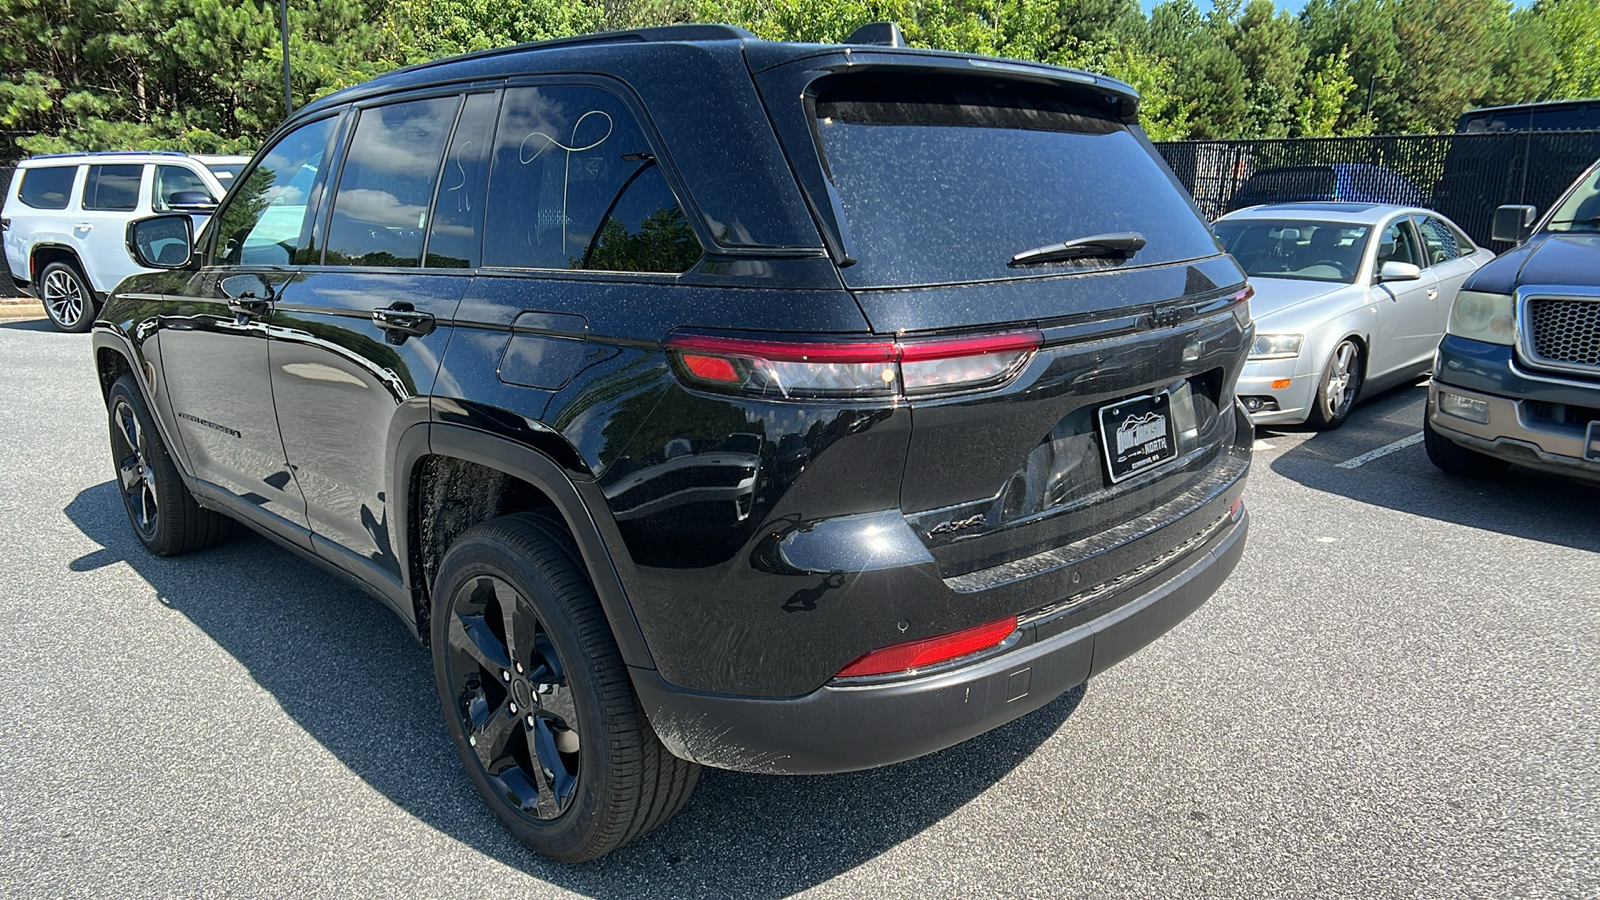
x=703 y=400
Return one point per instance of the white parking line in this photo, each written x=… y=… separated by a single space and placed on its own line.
x=1383 y=451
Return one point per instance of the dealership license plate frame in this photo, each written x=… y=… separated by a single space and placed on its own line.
x=1125 y=459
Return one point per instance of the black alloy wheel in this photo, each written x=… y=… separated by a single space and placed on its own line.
x=512 y=698
x=537 y=699
x=160 y=508
x=67 y=297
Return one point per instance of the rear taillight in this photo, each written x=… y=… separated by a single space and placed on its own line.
x=930 y=651
x=802 y=370
x=1241 y=305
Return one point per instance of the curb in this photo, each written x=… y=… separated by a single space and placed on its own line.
x=21 y=309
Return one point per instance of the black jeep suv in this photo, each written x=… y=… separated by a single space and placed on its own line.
x=704 y=400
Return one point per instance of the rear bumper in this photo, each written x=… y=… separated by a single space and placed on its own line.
x=843 y=726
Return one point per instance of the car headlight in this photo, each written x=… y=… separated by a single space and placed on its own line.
x=1483 y=317
x=1276 y=346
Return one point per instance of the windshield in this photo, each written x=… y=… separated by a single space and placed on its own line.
x=1581 y=211
x=1292 y=248
x=944 y=181
x=226 y=172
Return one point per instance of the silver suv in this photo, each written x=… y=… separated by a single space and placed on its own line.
x=66 y=217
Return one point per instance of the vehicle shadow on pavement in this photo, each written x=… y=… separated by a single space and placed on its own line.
x=1522 y=503
x=40 y=324
x=345 y=669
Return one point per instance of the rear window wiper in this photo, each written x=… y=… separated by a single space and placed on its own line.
x=1120 y=245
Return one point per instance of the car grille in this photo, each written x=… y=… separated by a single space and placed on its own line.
x=1565 y=332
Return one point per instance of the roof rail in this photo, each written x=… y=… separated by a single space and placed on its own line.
x=657 y=34
x=83 y=153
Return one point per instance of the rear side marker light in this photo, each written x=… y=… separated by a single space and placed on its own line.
x=852 y=369
x=1236 y=510
x=930 y=651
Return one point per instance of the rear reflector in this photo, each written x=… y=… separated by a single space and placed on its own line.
x=852 y=369
x=927 y=652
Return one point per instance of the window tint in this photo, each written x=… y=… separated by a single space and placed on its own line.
x=47 y=187
x=380 y=210
x=455 y=234
x=1399 y=245
x=945 y=180
x=646 y=231
x=569 y=162
x=1439 y=243
x=112 y=187
x=264 y=221
x=171 y=180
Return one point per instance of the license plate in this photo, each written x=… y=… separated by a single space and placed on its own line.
x=1591 y=442
x=1137 y=434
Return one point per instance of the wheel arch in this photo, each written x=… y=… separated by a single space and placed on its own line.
x=451 y=477
x=46 y=252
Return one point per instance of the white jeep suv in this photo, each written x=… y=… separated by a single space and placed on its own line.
x=66 y=216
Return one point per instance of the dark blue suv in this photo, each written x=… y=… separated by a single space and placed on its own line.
x=1517 y=376
x=704 y=400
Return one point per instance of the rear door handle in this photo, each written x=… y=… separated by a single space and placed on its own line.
x=84 y=226
x=402 y=323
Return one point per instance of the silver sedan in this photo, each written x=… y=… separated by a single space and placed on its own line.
x=1350 y=297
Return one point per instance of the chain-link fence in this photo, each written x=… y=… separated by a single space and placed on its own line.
x=1464 y=176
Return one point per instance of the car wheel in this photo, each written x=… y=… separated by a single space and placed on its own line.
x=163 y=513
x=1340 y=385
x=536 y=696
x=67 y=297
x=1456 y=459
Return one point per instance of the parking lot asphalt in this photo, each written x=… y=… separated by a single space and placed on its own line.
x=1395 y=695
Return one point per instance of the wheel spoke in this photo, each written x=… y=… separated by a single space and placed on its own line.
x=491 y=739
x=546 y=666
x=130 y=473
x=471 y=635
x=521 y=627
x=147 y=502
x=553 y=771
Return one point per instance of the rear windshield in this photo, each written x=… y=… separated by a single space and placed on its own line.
x=946 y=181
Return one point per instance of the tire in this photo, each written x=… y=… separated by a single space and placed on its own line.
x=1339 y=387
x=160 y=508
x=1455 y=459
x=548 y=727
x=67 y=296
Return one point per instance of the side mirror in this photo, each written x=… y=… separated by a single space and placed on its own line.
x=192 y=202
x=161 y=242
x=1398 y=271
x=1513 y=224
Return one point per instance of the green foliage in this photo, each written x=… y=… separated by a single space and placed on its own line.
x=1574 y=29
x=204 y=75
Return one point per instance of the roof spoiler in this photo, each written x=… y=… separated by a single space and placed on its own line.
x=884 y=34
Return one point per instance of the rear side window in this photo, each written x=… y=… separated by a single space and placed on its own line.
x=945 y=181
x=47 y=187
x=380 y=210
x=1437 y=240
x=112 y=187
x=576 y=186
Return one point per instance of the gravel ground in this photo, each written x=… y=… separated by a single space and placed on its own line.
x=1393 y=696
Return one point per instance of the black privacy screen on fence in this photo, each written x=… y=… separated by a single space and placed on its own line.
x=1464 y=176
